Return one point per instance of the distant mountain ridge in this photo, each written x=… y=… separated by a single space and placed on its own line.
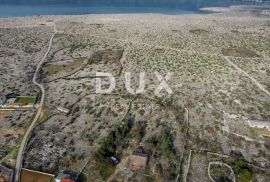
x=169 y=3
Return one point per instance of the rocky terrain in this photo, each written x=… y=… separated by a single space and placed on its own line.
x=220 y=79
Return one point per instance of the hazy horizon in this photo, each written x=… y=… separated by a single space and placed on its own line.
x=140 y=3
x=13 y=8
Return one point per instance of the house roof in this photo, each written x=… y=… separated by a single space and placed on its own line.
x=137 y=162
x=259 y=123
x=140 y=151
x=11 y=95
x=67 y=180
x=62 y=176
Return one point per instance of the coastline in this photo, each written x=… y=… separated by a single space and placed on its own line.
x=32 y=11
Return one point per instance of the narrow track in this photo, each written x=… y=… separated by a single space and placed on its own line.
x=31 y=127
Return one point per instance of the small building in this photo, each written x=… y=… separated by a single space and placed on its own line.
x=8 y=98
x=138 y=159
x=3 y=99
x=12 y=95
x=259 y=124
x=13 y=100
x=64 y=110
x=10 y=101
x=64 y=177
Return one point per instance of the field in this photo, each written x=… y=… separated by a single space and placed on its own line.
x=54 y=69
x=25 y=99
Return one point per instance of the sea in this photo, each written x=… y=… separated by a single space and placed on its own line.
x=16 y=8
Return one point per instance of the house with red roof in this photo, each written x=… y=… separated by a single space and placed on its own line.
x=64 y=177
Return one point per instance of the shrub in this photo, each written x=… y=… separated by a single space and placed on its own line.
x=138 y=131
x=240 y=168
x=107 y=149
x=245 y=175
x=167 y=143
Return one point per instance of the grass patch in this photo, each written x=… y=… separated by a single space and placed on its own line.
x=243 y=172
x=107 y=56
x=52 y=69
x=5 y=147
x=105 y=168
x=239 y=52
x=199 y=31
x=26 y=99
x=12 y=152
x=245 y=176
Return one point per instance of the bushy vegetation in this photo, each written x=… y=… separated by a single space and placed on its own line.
x=163 y=148
x=243 y=172
x=220 y=173
x=167 y=144
x=108 y=147
x=162 y=143
x=138 y=131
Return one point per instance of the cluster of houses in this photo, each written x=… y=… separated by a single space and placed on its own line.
x=136 y=162
x=13 y=101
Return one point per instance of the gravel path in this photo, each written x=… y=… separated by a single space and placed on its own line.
x=31 y=127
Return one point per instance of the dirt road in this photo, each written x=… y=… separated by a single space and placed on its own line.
x=31 y=127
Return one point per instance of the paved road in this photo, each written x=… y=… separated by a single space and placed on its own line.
x=31 y=127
